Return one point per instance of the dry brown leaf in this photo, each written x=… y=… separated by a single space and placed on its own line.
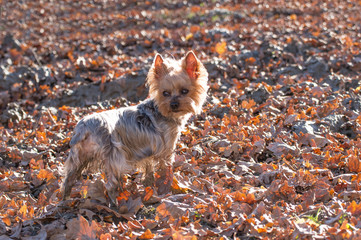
x=79 y=228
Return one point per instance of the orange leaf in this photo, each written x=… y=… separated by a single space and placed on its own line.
x=262 y=230
x=102 y=86
x=30 y=212
x=293 y=17
x=14 y=52
x=239 y=197
x=70 y=56
x=23 y=210
x=248 y=104
x=177 y=235
x=147 y=235
x=7 y=221
x=189 y=36
x=179 y=187
x=84 y=191
x=41 y=136
x=207 y=124
x=247 y=198
x=195 y=28
x=10 y=124
x=347 y=41
x=221 y=47
x=354 y=164
x=196 y=9
x=147 y=42
x=42 y=199
x=250 y=199
x=148 y=193
x=45 y=174
x=106 y=236
x=354 y=208
x=94 y=62
x=65 y=108
x=162 y=210
x=124 y=195
x=250 y=60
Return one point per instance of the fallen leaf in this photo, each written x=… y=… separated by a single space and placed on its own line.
x=79 y=228
x=147 y=235
x=221 y=47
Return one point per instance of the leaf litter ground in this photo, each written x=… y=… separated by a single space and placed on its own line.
x=275 y=153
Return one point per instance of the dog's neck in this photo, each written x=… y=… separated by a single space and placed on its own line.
x=152 y=106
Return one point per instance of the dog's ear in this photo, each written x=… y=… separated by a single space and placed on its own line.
x=191 y=65
x=159 y=67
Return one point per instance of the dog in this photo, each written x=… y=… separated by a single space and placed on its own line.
x=143 y=136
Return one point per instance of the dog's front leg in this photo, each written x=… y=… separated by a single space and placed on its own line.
x=165 y=175
x=113 y=188
x=149 y=175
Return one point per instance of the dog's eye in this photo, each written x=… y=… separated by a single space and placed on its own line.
x=166 y=94
x=184 y=91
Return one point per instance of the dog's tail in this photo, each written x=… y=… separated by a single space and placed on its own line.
x=81 y=132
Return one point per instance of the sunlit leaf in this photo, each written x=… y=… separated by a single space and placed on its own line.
x=45 y=174
x=221 y=48
x=148 y=193
x=147 y=235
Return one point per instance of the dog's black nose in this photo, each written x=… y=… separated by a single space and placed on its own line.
x=174 y=105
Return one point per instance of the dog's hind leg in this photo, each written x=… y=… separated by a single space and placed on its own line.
x=72 y=172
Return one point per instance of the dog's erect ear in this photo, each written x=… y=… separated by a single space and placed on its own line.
x=191 y=65
x=159 y=67
x=158 y=60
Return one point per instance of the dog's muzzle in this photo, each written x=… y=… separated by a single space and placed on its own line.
x=174 y=105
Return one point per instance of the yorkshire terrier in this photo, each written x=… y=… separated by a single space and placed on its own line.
x=142 y=136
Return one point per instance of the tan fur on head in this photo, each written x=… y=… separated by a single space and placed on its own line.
x=172 y=76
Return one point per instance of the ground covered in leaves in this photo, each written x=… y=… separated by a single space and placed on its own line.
x=275 y=153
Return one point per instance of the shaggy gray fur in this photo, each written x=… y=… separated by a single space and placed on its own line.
x=119 y=141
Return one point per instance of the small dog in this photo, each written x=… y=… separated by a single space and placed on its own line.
x=143 y=136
